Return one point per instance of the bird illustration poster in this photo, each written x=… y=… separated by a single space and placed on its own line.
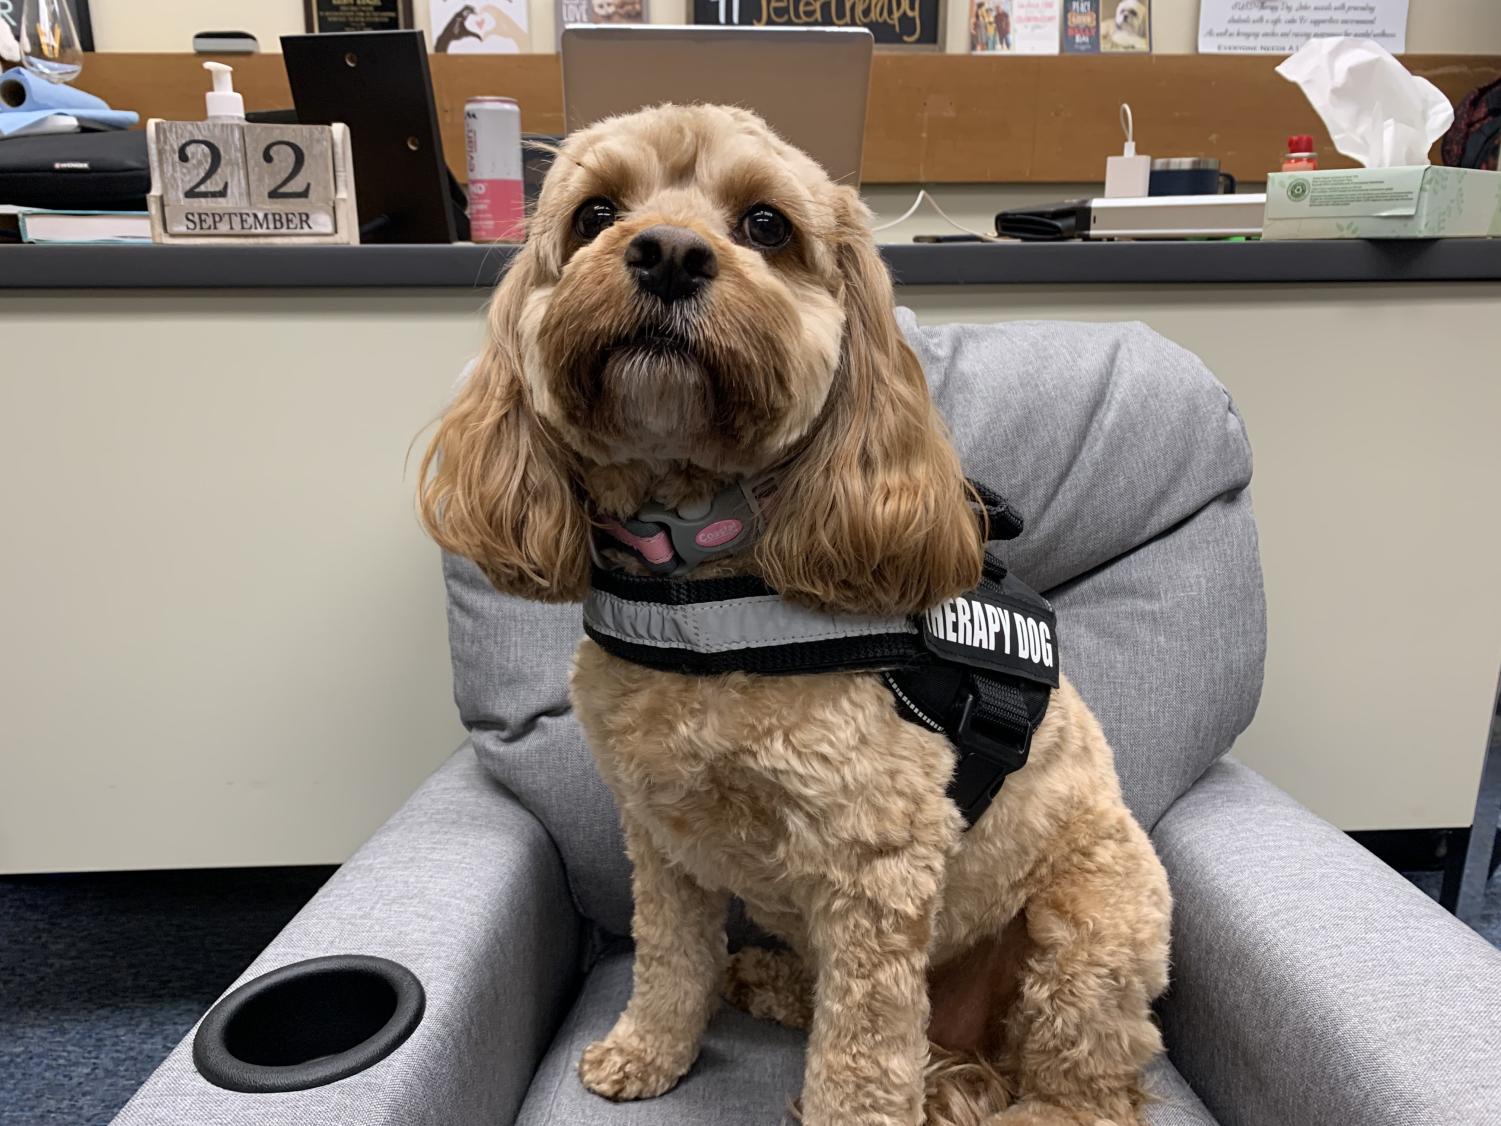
x=477 y=27
x=1019 y=27
x=599 y=11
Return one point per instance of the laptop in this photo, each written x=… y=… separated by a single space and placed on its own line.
x=810 y=84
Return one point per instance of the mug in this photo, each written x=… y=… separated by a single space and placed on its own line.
x=1189 y=175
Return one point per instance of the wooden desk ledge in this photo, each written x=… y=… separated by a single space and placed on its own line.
x=933 y=118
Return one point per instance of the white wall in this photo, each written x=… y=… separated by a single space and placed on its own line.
x=223 y=632
x=1434 y=26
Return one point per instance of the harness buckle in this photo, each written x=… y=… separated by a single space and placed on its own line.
x=975 y=734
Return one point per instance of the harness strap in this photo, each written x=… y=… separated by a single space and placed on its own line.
x=735 y=624
x=977 y=669
x=1005 y=522
x=989 y=721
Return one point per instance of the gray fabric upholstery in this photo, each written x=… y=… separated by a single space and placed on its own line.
x=747 y=1075
x=510 y=680
x=1313 y=985
x=1130 y=464
x=1166 y=645
x=464 y=888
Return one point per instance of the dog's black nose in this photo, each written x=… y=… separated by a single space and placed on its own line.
x=670 y=263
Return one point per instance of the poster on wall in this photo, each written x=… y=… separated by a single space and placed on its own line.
x=893 y=23
x=1017 y=27
x=1081 y=27
x=357 y=15
x=479 y=27
x=598 y=11
x=10 y=12
x=1280 y=27
x=1125 y=26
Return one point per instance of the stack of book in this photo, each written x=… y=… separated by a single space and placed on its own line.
x=38 y=224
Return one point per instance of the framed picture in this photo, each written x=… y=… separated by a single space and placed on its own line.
x=598 y=11
x=494 y=27
x=1125 y=26
x=1013 y=27
x=10 y=12
x=912 y=24
x=357 y=15
x=1081 y=27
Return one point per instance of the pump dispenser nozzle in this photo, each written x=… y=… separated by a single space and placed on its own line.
x=222 y=102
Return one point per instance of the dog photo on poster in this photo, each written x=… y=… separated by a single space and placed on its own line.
x=478 y=27
x=893 y=23
x=1125 y=26
x=1021 y=27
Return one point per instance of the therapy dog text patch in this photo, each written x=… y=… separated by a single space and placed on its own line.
x=1010 y=629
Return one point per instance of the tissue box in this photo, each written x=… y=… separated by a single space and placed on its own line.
x=1420 y=201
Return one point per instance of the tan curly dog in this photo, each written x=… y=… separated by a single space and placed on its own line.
x=1031 y=946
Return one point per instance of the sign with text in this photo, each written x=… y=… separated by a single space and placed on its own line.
x=1020 y=27
x=1081 y=27
x=570 y=12
x=893 y=23
x=357 y=15
x=1280 y=27
x=230 y=180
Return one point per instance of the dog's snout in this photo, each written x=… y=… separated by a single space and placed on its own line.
x=671 y=263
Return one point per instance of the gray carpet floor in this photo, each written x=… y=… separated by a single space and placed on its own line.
x=100 y=975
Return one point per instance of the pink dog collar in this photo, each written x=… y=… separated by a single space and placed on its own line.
x=672 y=541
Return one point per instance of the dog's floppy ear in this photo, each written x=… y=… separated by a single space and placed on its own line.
x=496 y=486
x=873 y=516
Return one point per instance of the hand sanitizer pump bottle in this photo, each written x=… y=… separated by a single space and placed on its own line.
x=222 y=103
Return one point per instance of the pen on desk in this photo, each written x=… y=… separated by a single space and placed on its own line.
x=947 y=238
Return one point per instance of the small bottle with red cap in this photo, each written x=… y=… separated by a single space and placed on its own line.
x=1300 y=156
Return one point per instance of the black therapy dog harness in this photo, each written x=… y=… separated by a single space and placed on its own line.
x=978 y=669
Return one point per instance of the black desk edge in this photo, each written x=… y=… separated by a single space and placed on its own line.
x=471 y=267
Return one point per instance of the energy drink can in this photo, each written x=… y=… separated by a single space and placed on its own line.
x=492 y=139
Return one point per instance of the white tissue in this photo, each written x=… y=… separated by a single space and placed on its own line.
x=1377 y=112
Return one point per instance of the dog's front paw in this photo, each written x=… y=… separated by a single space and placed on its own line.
x=628 y=1067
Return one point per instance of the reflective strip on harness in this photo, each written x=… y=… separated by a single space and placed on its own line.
x=736 y=624
x=726 y=624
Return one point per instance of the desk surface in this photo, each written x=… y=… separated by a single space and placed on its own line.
x=469 y=266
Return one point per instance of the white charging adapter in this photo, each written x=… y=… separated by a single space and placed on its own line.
x=1127 y=175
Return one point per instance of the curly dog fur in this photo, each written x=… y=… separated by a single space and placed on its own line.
x=1028 y=949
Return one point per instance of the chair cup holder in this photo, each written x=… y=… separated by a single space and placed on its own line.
x=308 y=1024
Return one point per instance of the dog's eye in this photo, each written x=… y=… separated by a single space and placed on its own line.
x=765 y=227
x=592 y=217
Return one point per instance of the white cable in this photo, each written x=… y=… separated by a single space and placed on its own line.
x=922 y=194
x=905 y=215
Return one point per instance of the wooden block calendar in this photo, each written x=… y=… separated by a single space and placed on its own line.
x=227 y=182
